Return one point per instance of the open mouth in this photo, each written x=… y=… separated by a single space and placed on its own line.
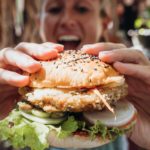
x=69 y=41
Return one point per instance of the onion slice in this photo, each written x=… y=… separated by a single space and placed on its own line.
x=124 y=112
x=40 y=114
x=42 y=120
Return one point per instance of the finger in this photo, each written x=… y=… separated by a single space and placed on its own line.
x=124 y=55
x=58 y=47
x=20 y=60
x=39 y=51
x=134 y=70
x=13 y=78
x=94 y=49
x=12 y=68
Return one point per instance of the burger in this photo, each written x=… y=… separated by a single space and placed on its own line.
x=74 y=101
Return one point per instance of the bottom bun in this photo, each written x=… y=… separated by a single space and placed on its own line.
x=75 y=141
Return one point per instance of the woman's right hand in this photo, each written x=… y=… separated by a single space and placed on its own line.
x=24 y=57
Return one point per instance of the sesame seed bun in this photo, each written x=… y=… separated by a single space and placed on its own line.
x=74 y=69
x=75 y=141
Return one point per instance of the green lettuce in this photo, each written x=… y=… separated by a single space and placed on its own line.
x=105 y=132
x=68 y=127
x=22 y=133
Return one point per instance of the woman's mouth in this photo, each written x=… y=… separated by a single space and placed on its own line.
x=69 y=41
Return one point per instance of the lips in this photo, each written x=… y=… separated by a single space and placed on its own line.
x=69 y=41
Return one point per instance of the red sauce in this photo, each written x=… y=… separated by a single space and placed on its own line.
x=81 y=133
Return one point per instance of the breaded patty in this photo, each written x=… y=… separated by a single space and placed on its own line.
x=54 y=99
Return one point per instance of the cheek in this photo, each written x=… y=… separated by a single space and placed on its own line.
x=93 y=30
x=48 y=27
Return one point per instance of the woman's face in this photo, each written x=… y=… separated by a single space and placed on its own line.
x=72 y=23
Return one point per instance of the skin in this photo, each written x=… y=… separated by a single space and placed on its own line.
x=136 y=68
x=15 y=60
x=60 y=17
x=25 y=57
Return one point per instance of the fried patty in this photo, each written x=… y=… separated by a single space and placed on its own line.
x=54 y=99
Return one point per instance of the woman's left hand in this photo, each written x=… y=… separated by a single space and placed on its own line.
x=136 y=68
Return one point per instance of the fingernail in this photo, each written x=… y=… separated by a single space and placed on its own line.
x=49 y=50
x=104 y=53
x=32 y=66
x=32 y=62
x=86 y=47
x=24 y=81
x=60 y=47
x=54 y=45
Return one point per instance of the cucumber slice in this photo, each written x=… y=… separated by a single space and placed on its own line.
x=42 y=120
x=40 y=114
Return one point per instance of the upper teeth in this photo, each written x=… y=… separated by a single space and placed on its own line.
x=69 y=38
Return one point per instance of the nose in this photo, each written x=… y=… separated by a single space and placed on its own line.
x=68 y=20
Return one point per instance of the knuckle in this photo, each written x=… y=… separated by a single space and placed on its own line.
x=140 y=55
x=48 y=43
x=21 y=45
x=100 y=44
x=7 y=53
x=4 y=52
x=137 y=53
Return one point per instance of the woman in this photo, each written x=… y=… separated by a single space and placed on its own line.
x=73 y=24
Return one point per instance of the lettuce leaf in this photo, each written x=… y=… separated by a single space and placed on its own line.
x=22 y=133
x=99 y=129
x=68 y=127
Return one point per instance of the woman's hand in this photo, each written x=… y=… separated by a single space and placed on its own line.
x=24 y=57
x=136 y=68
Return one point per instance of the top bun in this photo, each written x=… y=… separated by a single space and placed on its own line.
x=75 y=69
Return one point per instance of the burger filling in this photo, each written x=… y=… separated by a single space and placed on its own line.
x=31 y=125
